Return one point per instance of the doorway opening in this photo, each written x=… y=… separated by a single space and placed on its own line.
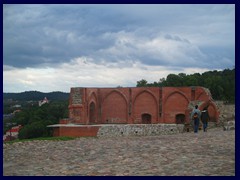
x=146 y=118
x=180 y=118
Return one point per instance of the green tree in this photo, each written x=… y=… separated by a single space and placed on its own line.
x=174 y=80
x=142 y=83
x=33 y=130
x=220 y=83
x=35 y=119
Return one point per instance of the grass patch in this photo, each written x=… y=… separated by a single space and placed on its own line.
x=60 y=138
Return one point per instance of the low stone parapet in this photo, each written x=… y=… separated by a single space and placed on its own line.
x=139 y=130
x=115 y=130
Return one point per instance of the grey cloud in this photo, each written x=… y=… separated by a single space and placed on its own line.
x=7 y=68
x=38 y=35
x=176 y=38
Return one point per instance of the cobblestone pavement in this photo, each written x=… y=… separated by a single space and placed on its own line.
x=187 y=154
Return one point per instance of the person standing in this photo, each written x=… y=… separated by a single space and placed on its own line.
x=205 y=118
x=195 y=116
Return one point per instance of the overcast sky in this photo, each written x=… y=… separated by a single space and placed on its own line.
x=56 y=47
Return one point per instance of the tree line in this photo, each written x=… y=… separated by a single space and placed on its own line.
x=220 y=83
x=35 y=96
x=35 y=119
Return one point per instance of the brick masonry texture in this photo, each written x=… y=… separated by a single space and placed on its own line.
x=136 y=105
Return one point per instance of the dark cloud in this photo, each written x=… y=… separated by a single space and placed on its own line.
x=46 y=35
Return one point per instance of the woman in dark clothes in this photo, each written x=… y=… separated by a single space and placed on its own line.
x=205 y=118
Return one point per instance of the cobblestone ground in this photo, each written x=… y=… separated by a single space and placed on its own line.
x=187 y=154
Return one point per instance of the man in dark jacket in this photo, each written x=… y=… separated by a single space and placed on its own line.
x=205 y=118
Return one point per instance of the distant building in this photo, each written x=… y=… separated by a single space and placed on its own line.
x=17 y=106
x=16 y=111
x=12 y=133
x=44 y=101
x=8 y=116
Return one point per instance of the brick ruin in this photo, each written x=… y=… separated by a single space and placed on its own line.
x=93 y=107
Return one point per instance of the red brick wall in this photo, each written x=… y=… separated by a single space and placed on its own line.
x=77 y=112
x=114 y=108
x=145 y=103
x=175 y=103
x=127 y=105
x=56 y=131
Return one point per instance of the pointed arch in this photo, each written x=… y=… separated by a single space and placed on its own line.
x=204 y=95
x=93 y=108
x=114 y=108
x=174 y=104
x=212 y=110
x=93 y=97
x=176 y=92
x=145 y=103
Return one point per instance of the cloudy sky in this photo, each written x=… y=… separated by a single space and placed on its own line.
x=56 y=47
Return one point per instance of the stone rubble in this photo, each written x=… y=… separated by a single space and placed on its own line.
x=227 y=115
x=184 y=154
x=227 y=112
x=229 y=125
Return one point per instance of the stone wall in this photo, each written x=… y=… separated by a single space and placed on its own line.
x=116 y=130
x=227 y=115
x=139 y=130
x=230 y=125
x=227 y=111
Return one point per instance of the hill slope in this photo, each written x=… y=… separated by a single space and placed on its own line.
x=35 y=96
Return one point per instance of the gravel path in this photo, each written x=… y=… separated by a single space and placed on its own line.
x=187 y=154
